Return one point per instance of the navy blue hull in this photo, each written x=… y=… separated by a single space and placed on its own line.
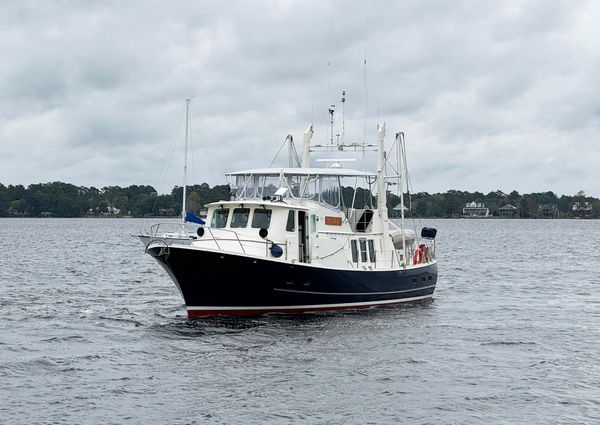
x=221 y=283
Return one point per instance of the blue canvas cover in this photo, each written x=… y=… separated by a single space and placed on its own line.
x=191 y=218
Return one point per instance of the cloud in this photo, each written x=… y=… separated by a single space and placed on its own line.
x=494 y=95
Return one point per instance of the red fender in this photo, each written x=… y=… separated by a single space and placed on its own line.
x=425 y=250
x=418 y=256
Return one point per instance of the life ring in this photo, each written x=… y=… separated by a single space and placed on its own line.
x=418 y=256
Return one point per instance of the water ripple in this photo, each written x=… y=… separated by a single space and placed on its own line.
x=93 y=331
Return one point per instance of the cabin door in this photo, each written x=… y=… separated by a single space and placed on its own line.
x=291 y=237
x=302 y=237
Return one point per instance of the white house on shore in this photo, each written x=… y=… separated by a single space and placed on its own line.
x=476 y=209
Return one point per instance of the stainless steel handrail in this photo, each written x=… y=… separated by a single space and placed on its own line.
x=154 y=229
x=157 y=232
x=238 y=240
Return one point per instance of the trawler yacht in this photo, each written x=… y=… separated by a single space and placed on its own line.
x=288 y=241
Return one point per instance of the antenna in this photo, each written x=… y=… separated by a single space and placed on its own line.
x=290 y=140
x=343 y=120
x=366 y=92
x=331 y=111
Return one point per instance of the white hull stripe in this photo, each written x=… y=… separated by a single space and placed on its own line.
x=298 y=291
x=307 y=306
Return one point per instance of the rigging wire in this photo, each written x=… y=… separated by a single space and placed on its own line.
x=204 y=151
x=170 y=153
x=366 y=88
x=330 y=48
x=330 y=54
x=354 y=194
x=336 y=251
x=191 y=139
x=405 y=166
x=296 y=156
x=409 y=187
x=278 y=152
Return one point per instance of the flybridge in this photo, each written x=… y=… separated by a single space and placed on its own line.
x=310 y=184
x=323 y=185
x=340 y=172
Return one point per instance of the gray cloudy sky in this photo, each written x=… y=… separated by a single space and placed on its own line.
x=491 y=94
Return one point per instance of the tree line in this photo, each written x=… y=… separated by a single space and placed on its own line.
x=530 y=205
x=58 y=199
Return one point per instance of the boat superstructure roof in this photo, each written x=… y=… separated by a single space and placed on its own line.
x=260 y=202
x=337 y=172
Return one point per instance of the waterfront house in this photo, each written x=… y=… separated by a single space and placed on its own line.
x=476 y=209
x=582 y=209
x=167 y=212
x=397 y=211
x=548 y=211
x=508 y=211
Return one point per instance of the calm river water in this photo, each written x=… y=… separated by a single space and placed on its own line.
x=93 y=331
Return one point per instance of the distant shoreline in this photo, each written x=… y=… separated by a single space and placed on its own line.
x=58 y=199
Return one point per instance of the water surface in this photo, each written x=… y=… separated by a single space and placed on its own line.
x=93 y=331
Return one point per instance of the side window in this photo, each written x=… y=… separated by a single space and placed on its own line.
x=261 y=218
x=363 y=250
x=291 y=223
x=312 y=224
x=239 y=218
x=354 y=251
x=219 y=219
x=371 y=250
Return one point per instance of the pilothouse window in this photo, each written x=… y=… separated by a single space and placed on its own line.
x=290 y=226
x=295 y=184
x=330 y=191
x=261 y=218
x=363 y=250
x=268 y=185
x=354 y=251
x=219 y=219
x=371 y=250
x=239 y=218
x=246 y=186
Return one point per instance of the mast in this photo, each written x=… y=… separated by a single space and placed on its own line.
x=400 y=165
x=187 y=120
x=382 y=195
x=308 y=134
